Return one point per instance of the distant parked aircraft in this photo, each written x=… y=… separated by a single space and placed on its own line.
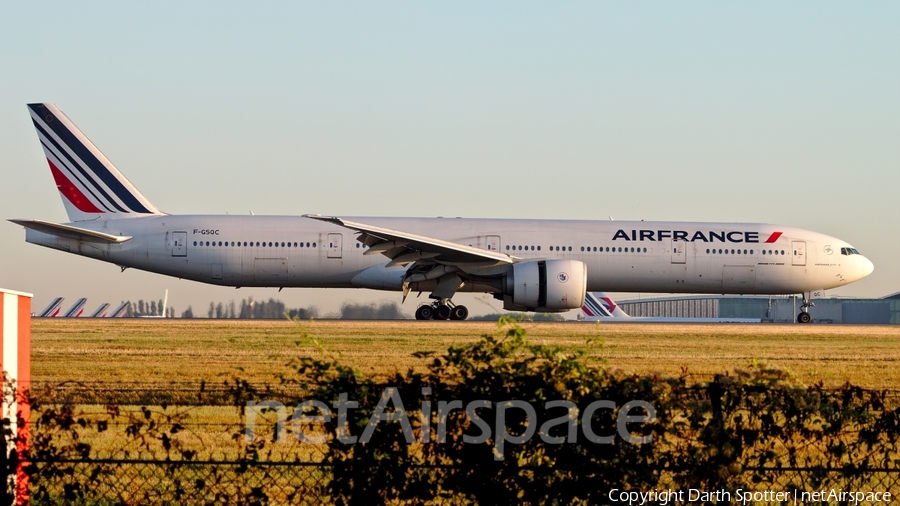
x=120 y=311
x=76 y=309
x=101 y=311
x=53 y=309
x=600 y=307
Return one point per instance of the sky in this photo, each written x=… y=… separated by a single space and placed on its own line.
x=776 y=112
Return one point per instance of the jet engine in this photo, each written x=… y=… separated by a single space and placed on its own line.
x=545 y=286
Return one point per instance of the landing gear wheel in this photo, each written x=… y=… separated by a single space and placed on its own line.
x=804 y=318
x=459 y=313
x=424 y=313
x=442 y=312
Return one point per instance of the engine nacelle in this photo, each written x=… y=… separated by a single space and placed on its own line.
x=546 y=285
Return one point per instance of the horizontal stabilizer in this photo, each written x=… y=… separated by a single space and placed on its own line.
x=71 y=232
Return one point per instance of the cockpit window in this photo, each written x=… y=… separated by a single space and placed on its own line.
x=849 y=251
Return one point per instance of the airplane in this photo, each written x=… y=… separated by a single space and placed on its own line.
x=52 y=309
x=119 y=312
x=76 y=309
x=100 y=312
x=599 y=307
x=530 y=265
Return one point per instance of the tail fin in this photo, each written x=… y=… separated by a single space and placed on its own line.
x=119 y=311
x=100 y=312
x=90 y=185
x=598 y=305
x=76 y=309
x=52 y=309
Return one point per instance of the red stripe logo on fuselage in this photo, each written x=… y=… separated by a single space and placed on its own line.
x=774 y=237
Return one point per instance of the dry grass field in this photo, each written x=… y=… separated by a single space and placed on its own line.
x=127 y=350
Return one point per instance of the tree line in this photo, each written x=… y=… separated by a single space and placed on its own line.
x=276 y=309
x=152 y=308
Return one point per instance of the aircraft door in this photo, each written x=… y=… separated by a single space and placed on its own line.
x=492 y=243
x=679 y=253
x=334 y=245
x=799 y=256
x=179 y=244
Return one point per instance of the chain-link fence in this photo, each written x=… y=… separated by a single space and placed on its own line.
x=208 y=482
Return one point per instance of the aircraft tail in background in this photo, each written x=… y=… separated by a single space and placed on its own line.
x=598 y=305
x=90 y=185
x=100 y=312
x=76 y=309
x=53 y=309
x=119 y=311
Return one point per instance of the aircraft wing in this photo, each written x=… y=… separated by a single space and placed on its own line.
x=404 y=247
x=71 y=232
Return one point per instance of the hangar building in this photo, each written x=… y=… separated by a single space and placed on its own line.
x=780 y=309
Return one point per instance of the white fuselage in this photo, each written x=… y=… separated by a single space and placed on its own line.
x=620 y=256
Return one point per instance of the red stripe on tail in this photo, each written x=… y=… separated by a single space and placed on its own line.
x=71 y=192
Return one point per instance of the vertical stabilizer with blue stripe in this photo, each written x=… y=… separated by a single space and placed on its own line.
x=599 y=306
x=90 y=185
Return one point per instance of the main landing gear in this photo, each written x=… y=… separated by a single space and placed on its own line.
x=441 y=309
x=804 y=316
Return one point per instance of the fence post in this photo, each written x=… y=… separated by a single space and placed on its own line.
x=15 y=362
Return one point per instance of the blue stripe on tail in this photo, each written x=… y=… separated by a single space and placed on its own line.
x=89 y=159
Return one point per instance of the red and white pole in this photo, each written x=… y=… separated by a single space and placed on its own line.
x=15 y=361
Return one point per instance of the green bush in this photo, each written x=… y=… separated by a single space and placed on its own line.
x=711 y=437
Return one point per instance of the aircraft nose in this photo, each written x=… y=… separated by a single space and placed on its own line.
x=866 y=267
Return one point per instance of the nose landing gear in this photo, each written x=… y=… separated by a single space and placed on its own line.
x=441 y=309
x=804 y=316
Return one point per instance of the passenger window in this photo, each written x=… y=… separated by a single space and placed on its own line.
x=539 y=248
